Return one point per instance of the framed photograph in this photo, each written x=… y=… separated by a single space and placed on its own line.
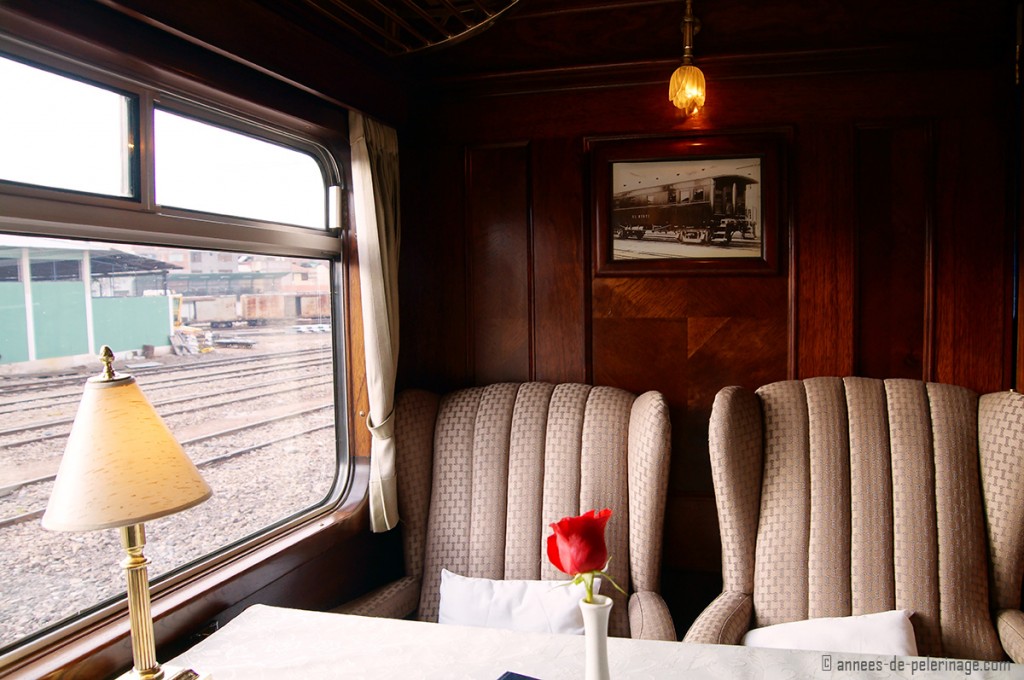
x=695 y=204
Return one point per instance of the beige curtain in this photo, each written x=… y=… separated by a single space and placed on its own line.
x=375 y=206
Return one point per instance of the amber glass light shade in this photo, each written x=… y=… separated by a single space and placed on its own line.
x=686 y=90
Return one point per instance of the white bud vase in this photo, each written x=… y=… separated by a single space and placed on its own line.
x=595 y=629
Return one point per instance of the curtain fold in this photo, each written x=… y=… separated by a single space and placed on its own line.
x=375 y=208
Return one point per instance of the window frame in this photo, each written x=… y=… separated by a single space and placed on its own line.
x=138 y=216
x=50 y=212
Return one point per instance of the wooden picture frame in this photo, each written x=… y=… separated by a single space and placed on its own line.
x=709 y=203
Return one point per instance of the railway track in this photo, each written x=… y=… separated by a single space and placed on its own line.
x=13 y=385
x=260 y=427
x=12 y=406
x=43 y=482
x=47 y=425
x=257 y=403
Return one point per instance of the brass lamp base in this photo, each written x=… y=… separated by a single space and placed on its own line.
x=133 y=540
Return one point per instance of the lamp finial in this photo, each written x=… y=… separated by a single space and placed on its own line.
x=107 y=357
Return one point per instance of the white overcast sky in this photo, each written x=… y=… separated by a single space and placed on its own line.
x=59 y=132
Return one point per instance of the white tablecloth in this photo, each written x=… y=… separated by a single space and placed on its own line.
x=271 y=642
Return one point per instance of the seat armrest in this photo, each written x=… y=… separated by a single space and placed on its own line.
x=1010 y=625
x=649 y=618
x=396 y=600
x=724 y=621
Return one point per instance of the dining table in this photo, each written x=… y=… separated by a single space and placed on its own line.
x=278 y=643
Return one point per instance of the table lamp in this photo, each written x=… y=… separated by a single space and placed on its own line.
x=123 y=467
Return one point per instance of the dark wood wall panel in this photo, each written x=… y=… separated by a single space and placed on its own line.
x=499 y=262
x=824 y=243
x=894 y=194
x=559 y=263
x=896 y=259
x=973 y=256
x=434 y=347
x=687 y=337
x=1017 y=215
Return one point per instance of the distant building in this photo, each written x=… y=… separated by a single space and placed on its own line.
x=60 y=304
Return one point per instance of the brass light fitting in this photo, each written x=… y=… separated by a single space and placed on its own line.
x=687 y=88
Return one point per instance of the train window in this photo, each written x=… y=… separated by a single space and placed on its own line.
x=229 y=325
x=239 y=365
x=64 y=133
x=9 y=270
x=204 y=167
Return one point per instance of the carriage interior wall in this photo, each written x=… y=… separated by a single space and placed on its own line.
x=898 y=242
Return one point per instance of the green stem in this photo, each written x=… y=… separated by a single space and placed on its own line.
x=588 y=584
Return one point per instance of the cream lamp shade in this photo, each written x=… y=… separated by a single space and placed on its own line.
x=122 y=466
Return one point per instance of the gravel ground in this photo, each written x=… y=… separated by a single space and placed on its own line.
x=48 y=576
x=184 y=425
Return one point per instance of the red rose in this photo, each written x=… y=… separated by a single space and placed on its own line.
x=578 y=545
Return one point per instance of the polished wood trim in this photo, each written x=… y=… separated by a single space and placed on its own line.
x=358 y=402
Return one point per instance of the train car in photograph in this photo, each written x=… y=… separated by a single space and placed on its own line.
x=708 y=210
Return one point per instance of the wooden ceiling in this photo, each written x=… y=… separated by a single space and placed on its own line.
x=506 y=46
x=500 y=36
x=401 y=27
x=574 y=33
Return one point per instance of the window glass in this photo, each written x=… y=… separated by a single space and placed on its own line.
x=9 y=269
x=204 y=167
x=63 y=133
x=234 y=349
x=239 y=364
x=46 y=266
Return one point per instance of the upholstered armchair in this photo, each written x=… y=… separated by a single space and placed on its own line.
x=851 y=496
x=483 y=471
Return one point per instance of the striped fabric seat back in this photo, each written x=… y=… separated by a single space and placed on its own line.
x=874 y=497
x=484 y=471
